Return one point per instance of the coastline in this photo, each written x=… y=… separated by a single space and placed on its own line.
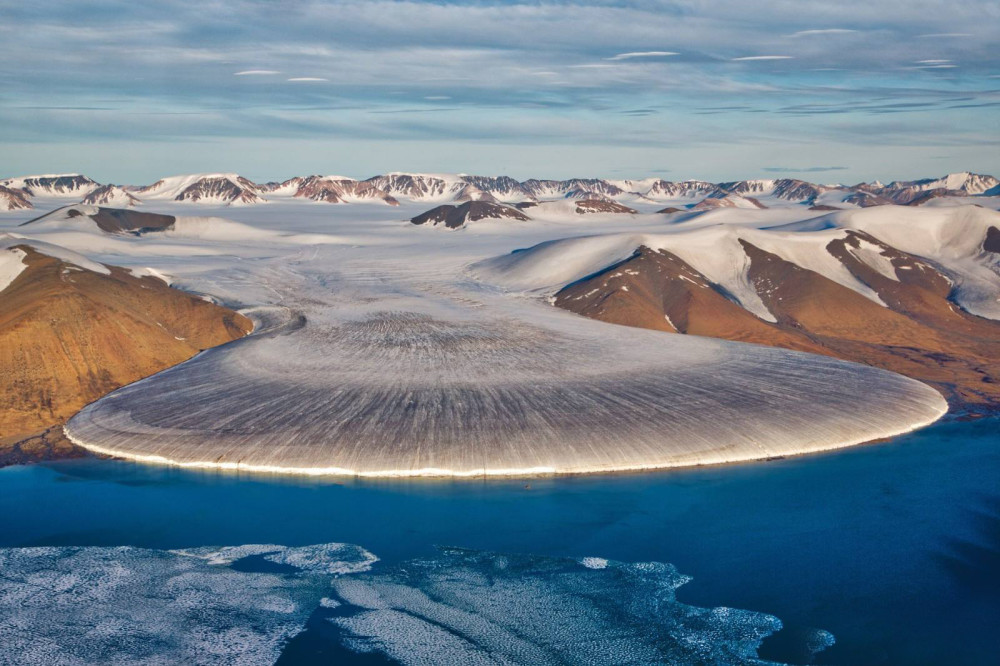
x=527 y=473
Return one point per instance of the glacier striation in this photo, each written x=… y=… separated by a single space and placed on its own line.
x=391 y=368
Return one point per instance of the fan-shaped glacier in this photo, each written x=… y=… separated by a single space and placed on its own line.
x=383 y=357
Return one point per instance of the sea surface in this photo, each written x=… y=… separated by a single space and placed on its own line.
x=892 y=548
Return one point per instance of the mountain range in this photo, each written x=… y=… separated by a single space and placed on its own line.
x=20 y=193
x=912 y=291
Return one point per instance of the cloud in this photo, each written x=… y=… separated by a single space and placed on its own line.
x=643 y=54
x=763 y=57
x=812 y=169
x=822 y=31
x=384 y=75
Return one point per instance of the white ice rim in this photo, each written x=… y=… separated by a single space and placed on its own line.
x=526 y=472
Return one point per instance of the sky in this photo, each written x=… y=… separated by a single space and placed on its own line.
x=828 y=91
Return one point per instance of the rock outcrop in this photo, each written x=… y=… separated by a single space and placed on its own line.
x=69 y=335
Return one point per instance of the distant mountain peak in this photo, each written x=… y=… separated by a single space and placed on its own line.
x=455 y=217
x=230 y=188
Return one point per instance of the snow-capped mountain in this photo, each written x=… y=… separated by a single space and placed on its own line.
x=502 y=188
x=111 y=195
x=751 y=187
x=212 y=188
x=728 y=201
x=52 y=185
x=788 y=189
x=664 y=190
x=336 y=189
x=285 y=187
x=865 y=199
x=792 y=189
x=574 y=188
x=877 y=254
x=420 y=187
x=471 y=192
x=225 y=189
x=14 y=199
x=965 y=182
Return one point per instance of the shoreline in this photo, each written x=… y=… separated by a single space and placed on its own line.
x=499 y=473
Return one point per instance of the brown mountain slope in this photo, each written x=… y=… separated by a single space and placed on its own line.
x=584 y=206
x=455 y=217
x=920 y=334
x=115 y=220
x=70 y=335
x=658 y=290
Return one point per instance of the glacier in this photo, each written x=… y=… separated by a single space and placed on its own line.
x=382 y=350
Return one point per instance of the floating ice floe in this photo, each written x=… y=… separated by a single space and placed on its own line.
x=469 y=607
x=138 y=606
x=242 y=604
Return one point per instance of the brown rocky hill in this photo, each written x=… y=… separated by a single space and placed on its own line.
x=585 y=206
x=69 y=335
x=921 y=333
x=14 y=199
x=112 y=220
x=454 y=217
x=340 y=190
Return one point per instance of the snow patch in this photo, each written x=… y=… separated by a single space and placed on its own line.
x=69 y=256
x=11 y=265
x=871 y=255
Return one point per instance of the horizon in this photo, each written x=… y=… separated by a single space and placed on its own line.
x=622 y=89
x=444 y=174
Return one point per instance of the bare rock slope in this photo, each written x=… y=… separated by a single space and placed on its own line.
x=454 y=217
x=915 y=329
x=69 y=335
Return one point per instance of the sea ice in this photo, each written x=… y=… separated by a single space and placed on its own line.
x=474 y=607
x=136 y=606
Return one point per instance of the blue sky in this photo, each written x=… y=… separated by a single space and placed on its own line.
x=719 y=89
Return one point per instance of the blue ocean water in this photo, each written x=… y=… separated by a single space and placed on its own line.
x=894 y=548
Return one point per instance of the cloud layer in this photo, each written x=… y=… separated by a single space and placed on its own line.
x=709 y=89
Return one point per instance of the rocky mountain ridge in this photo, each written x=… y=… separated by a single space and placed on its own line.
x=390 y=189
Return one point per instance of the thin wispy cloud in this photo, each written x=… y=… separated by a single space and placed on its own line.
x=822 y=31
x=643 y=54
x=601 y=76
x=763 y=57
